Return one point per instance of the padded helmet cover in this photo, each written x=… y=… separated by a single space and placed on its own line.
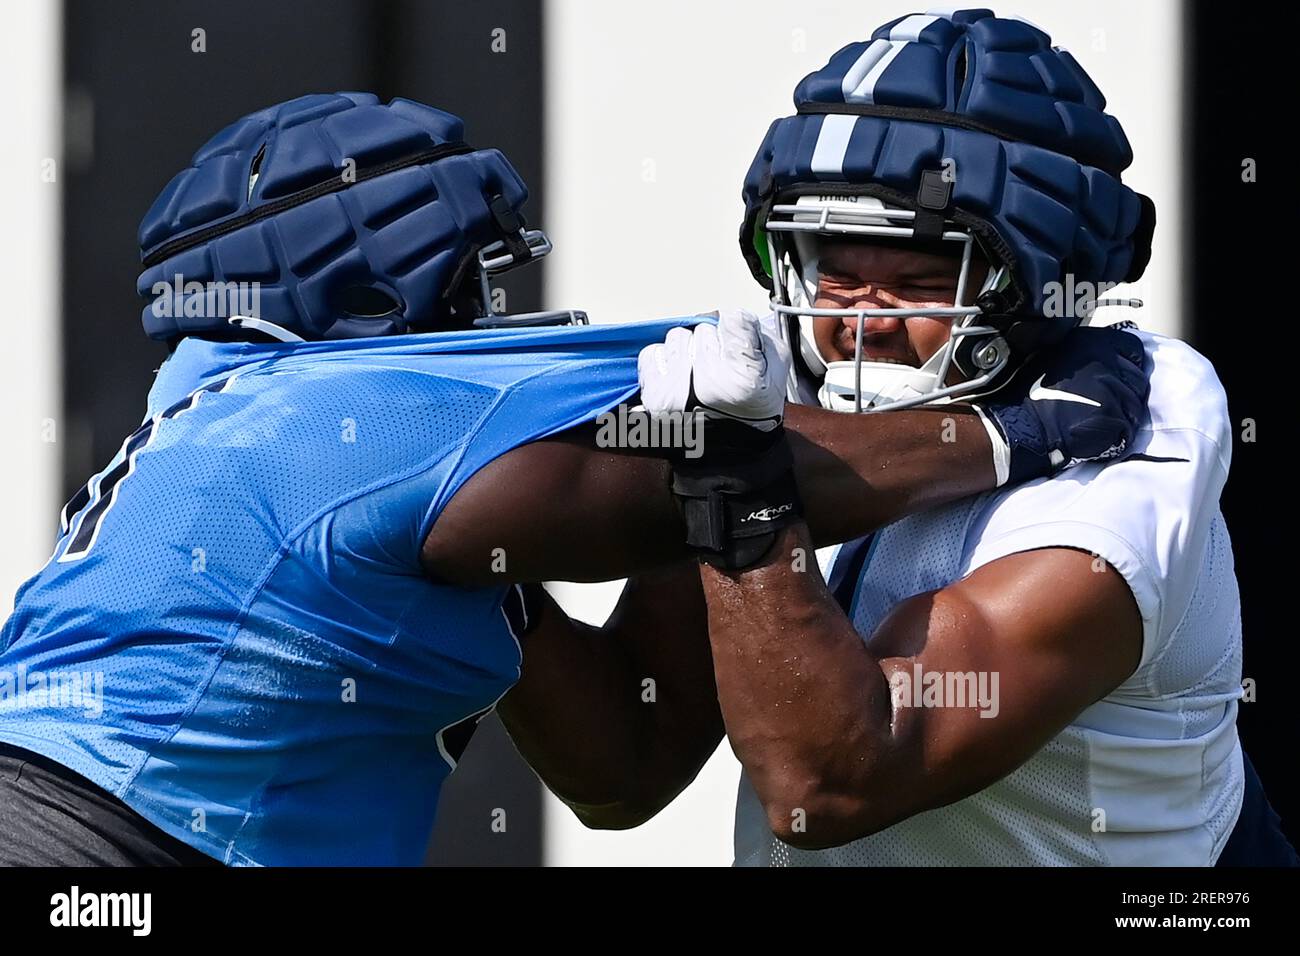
x=1033 y=158
x=316 y=199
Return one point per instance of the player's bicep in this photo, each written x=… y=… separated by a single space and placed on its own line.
x=557 y=509
x=986 y=671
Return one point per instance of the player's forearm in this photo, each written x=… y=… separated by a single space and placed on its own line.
x=857 y=473
x=570 y=717
x=806 y=707
x=561 y=509
x=617 y=720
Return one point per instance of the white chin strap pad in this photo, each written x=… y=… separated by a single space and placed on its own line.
x=882 y=383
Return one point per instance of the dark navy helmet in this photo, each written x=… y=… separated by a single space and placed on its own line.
x=333 y=216
x=961 y=128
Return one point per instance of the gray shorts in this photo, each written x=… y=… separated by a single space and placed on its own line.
x=50 y=816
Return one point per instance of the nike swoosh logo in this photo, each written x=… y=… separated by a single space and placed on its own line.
x=1039 y=393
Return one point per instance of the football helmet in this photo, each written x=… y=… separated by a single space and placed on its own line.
x=959 y=129
x=348 y=216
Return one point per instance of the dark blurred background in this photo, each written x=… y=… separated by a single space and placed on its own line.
x=1238 y=275
x=139 y=103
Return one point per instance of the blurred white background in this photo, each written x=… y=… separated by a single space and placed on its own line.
x=29 y=272
x=654 y=112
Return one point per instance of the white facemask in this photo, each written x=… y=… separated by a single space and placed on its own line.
x=860 y=384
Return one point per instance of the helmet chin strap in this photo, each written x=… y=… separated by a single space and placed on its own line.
x=277 y=332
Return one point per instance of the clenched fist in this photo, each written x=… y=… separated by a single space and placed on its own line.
x=736 y=370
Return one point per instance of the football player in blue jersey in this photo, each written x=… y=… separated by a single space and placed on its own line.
x=270 y=624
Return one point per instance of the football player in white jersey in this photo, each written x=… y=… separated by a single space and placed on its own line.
x=1046 y=674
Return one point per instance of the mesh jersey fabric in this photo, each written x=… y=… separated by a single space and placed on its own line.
x=1152 y=773
x=276 y=678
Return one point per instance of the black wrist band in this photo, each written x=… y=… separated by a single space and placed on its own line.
x=735 y=506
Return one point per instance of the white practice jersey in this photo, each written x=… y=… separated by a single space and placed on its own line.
x=1151 y=774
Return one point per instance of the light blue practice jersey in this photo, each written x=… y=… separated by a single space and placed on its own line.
x=234 y=635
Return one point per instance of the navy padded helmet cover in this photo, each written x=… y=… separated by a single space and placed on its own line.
x=1036 y=160
x=409 y=232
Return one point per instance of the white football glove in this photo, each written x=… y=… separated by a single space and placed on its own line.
x=736 y=369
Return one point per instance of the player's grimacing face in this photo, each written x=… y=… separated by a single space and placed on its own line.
x=858 y=274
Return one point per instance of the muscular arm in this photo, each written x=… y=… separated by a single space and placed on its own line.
x=564 y=509
x=857 y=473
x=617 y=720
x=807 y=704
